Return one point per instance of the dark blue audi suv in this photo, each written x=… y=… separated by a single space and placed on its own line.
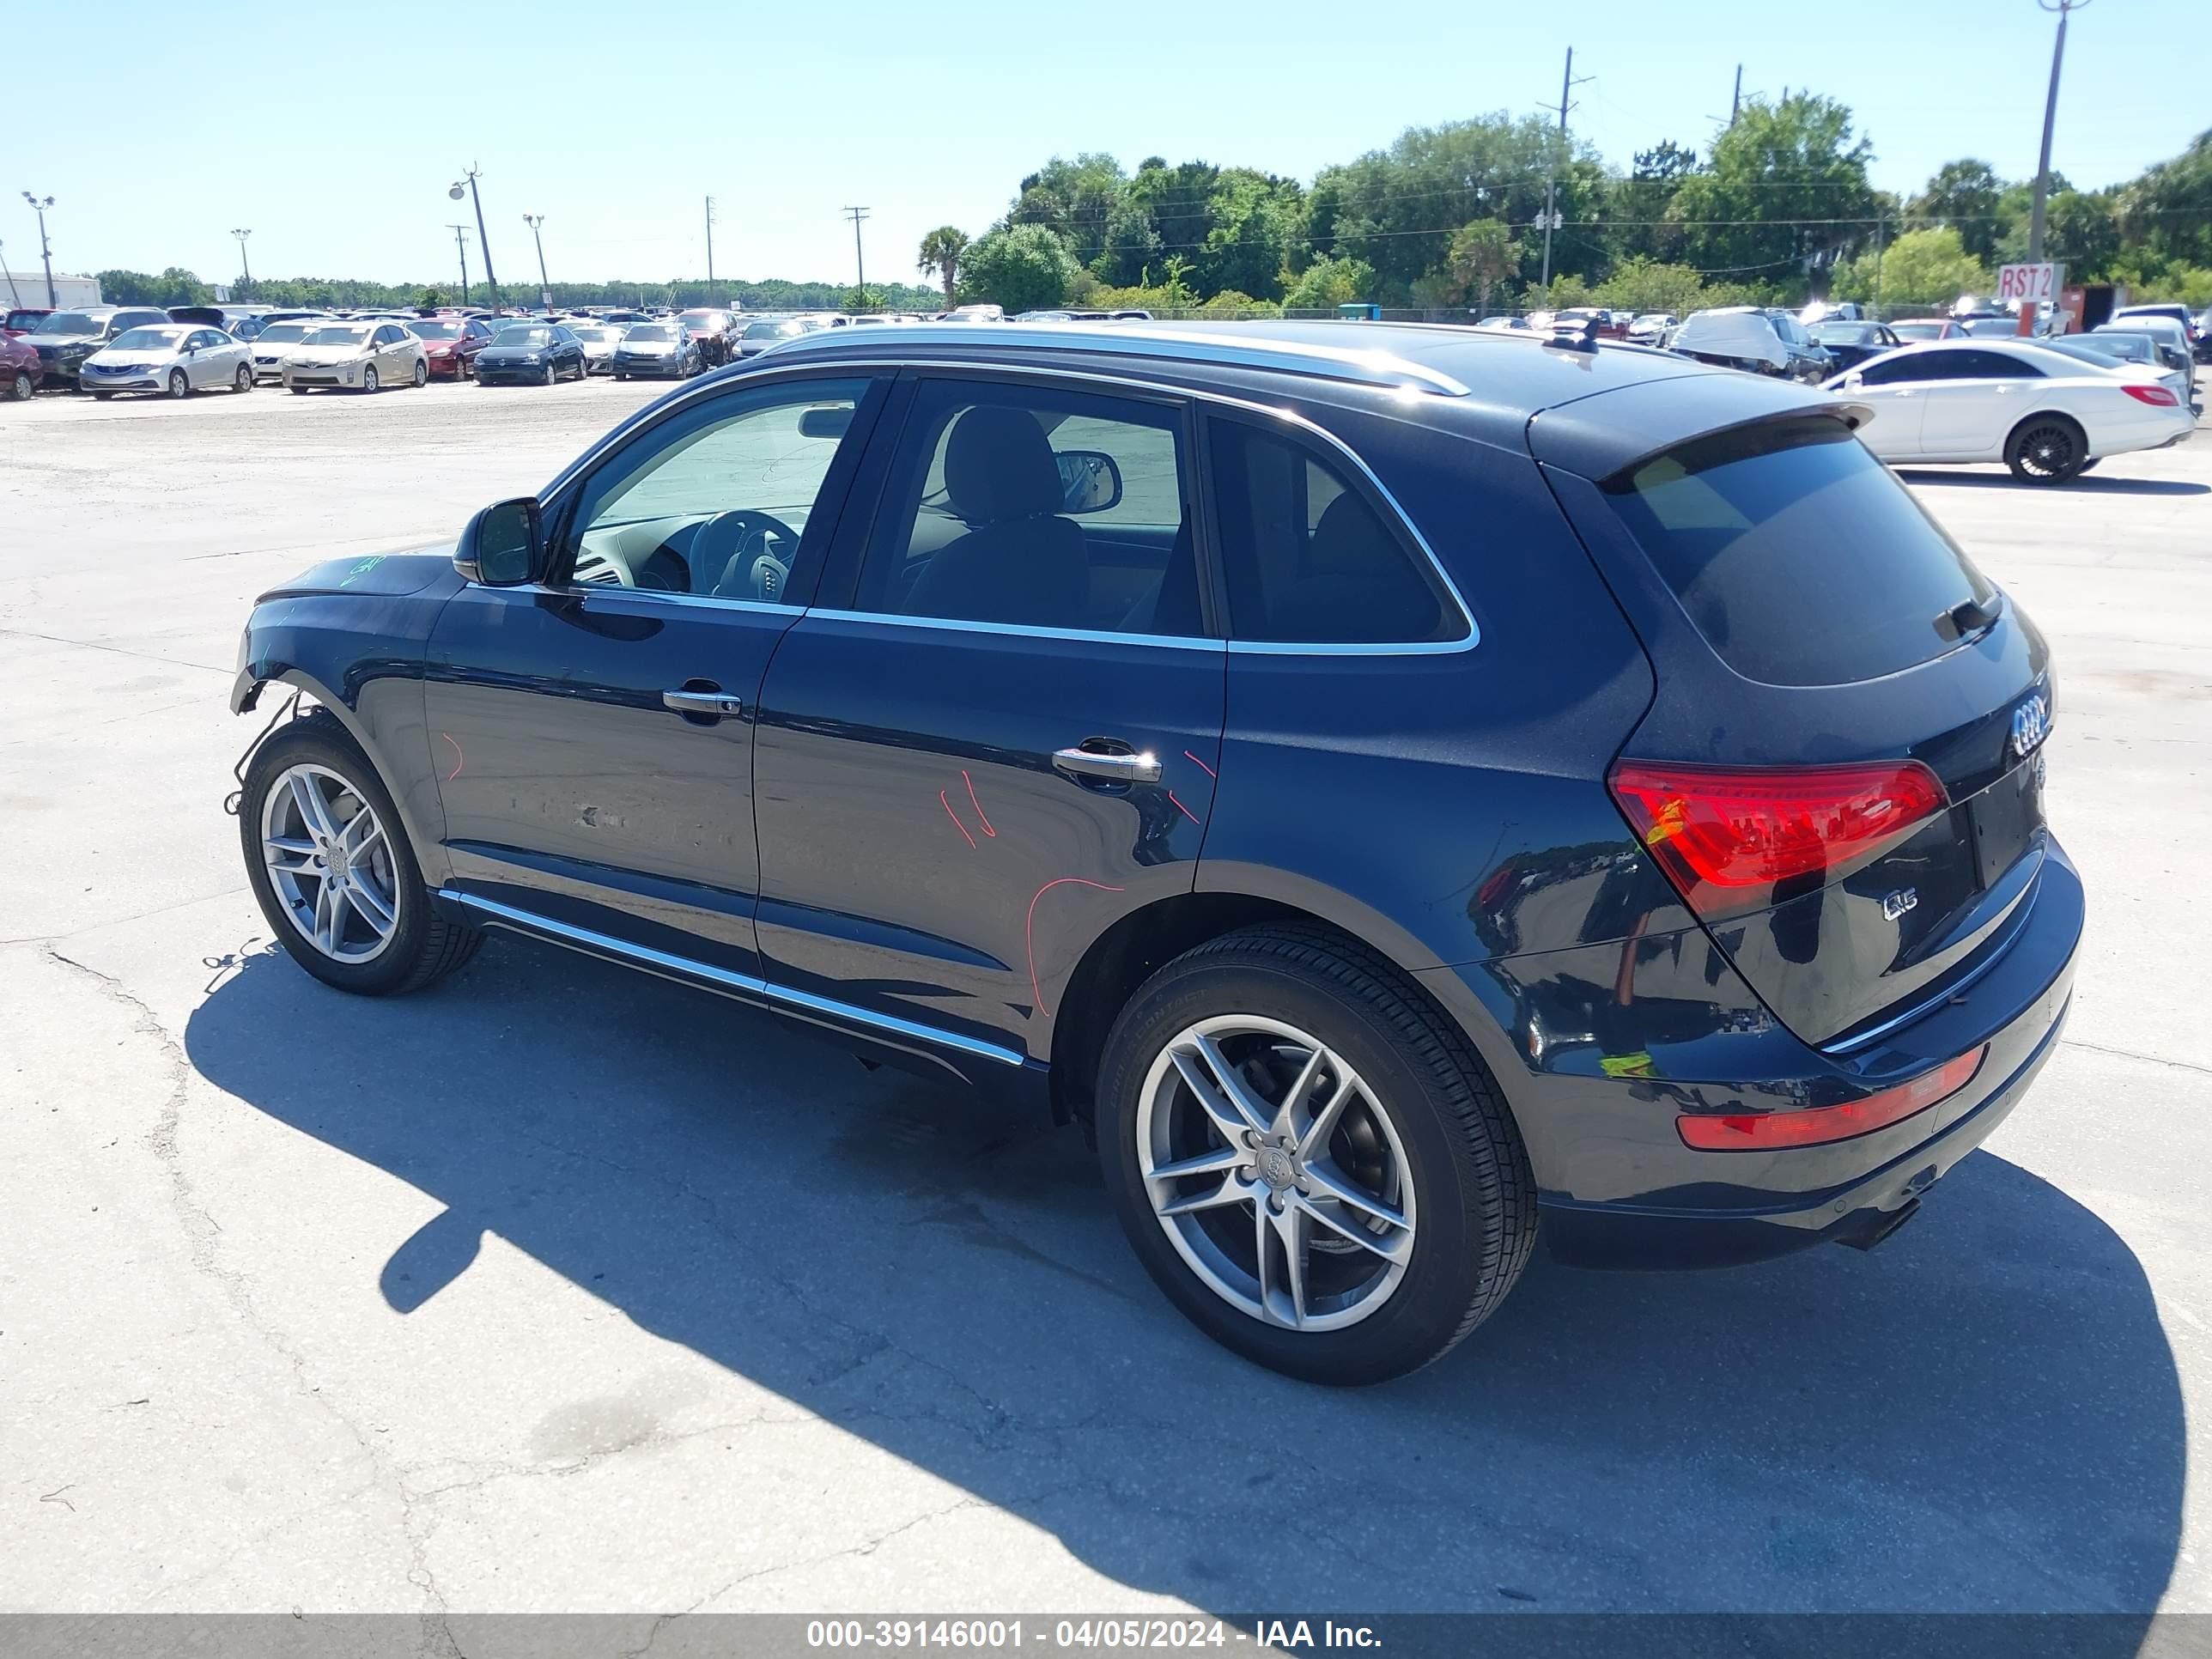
x=1403 y=790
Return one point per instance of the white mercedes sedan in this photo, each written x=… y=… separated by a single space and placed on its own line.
x=2047 y=416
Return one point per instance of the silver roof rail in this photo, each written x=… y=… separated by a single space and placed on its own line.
x=1360 y=367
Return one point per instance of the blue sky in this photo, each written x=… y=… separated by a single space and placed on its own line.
x=335 y=141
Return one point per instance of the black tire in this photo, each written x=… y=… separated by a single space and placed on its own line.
x=1475 y=1194
x=102 y=396
x=20 y=387
x=424 y=946
x=619 y=375
x=301 y=389
x=2087 y=466
x=181 y=385
x=552 y=373
x=244 y=380
x=370 y=385
x=421 y=374
x=2046 y=449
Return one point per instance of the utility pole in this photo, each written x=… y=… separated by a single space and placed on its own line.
x=1567 y=84
x=468 y=181
x=2050 y=116
x=14 y=296
x=461 y=246
x=710 y=247
x=544 y=285
x=859 y=270
x=45 y=248
x=1736 y=104
x=247 y=281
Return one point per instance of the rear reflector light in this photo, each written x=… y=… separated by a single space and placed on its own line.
x=2158 y=397
x=1729 y=837
x=1763 y=1131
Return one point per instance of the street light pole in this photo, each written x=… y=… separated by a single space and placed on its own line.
x=2049 y=117
x=544 y=283
x=45 y=249
x=461 y=247
x=468 y=181
x=247 y=281
x=859 y=269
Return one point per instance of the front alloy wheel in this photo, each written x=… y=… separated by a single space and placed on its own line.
x=1276 y=1173
x=2046 y=452
x=369 y=380
x=329 y=864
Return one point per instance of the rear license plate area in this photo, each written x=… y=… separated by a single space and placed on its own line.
x=2005 y=817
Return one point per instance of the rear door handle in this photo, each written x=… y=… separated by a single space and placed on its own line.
x=1116 y=769
x=715 y=704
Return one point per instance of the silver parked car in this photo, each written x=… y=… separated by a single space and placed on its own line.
x=177 y=359
x=274 y=341
x=363 y=356
x=599 y=342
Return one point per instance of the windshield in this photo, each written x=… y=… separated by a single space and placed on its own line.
x=436 y=331
x=700 y=318
x=68 y=322
x=1843 y=333
x=651 y=331
x=147 y=339
x=284 y=333
x=596 y=336
x=1800 y=557
x=522 y=338
x=25 y=320
x=336 y=337
x=2104 y=350
x=1930 y=331
x=774 y=331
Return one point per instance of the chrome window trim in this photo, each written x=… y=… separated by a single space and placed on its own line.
x=660 y=596
x=792 y=369
x=589 y=940
x=960 y=625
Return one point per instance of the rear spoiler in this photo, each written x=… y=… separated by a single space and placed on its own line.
x=1600 y=435
x=1852 y=416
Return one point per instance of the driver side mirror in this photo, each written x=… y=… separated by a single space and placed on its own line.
x=1090 y=482
x=1854 y=381
x=504 y=545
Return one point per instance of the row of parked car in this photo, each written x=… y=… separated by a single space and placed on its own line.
x=108 y=349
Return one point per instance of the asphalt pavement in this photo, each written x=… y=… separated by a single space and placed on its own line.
x=560 y=1287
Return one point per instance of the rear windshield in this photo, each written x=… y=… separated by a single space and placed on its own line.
x=1799 y=557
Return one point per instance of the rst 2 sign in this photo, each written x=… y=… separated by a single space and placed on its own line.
x=2029 y=284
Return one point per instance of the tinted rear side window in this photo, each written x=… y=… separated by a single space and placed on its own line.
x=1797 y=555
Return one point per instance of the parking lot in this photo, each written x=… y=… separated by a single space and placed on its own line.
x=560 y=1287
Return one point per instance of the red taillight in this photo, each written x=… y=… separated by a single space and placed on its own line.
x=1726 y=836
x=2158 y=397
x=1766 y=1132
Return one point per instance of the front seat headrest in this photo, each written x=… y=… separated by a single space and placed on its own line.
x=999 y=467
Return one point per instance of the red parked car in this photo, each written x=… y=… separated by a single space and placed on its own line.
x=19 y=373
x=452 y=344
x=25 y=319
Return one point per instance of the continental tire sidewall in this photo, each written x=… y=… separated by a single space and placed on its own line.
x=1448 y=1274
x=321 y=739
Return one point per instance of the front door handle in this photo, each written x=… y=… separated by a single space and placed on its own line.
x=714 y=704
x=1115 y=768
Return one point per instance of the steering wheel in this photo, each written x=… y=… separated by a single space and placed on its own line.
x=744 y=554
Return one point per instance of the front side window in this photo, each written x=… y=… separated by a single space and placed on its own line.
x=1911 y=365
x=717 y=501
x=1308 y=559
x=1040 y=507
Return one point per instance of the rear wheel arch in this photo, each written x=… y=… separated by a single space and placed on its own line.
x=1127 y=953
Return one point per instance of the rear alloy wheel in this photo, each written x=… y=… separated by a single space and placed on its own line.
x=243 y=381
x=421 y=374
x=369 y=380
x=2046 y=449
x=179 y=385
x=1310 y=1163
x=332 y=869
x=20 y=385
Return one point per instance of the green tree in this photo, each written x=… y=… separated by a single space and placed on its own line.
x=1784 y=192
x=1638 y=203
x=1021 y=267
x=1964 y=195
x=939 y=256
x=2168 y=210
x=1920 y=268
x=2083 y=232
x=1330 y=281
x=1255 y=220
x=1133 y=242
x=1074 y=198
x=1482 y=254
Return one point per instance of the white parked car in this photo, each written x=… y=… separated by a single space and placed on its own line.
x=275 y=339
x=179 y=359
x=362 y=356
x=599 y=342
x=2047 y=416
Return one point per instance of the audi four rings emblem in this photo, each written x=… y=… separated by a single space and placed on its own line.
x=2031 y=723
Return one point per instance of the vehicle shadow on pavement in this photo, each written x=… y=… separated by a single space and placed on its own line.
x=1983 y=1415
x=2095 y=484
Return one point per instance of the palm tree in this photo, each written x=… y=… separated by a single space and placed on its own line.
x=941 y=251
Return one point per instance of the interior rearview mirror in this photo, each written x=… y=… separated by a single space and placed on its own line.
x=831 y=420
x=503 y=546
x=1090 y=482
